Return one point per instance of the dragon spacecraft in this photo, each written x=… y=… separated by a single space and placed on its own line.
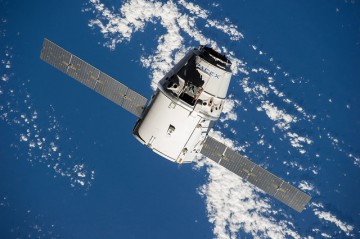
x=177 y=119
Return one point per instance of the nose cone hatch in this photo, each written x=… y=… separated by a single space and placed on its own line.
x=214 y=69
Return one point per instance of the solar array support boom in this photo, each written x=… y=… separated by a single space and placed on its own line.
x=93 y=78
x=253 y=173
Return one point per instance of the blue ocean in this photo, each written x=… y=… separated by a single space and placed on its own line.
x=72 y=169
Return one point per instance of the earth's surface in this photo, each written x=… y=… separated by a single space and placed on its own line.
x=70 y=167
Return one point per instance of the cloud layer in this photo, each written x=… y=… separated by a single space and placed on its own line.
x=39 y=133
x=233 y=206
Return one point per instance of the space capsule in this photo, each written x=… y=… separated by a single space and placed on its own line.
x=188 y=101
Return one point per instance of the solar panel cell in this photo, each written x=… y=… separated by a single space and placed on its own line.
x=133 y=102
x=55 y=56
x=212 y=149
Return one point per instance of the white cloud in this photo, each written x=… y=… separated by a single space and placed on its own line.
x=327 y=216
x=35 y=143
x=228 y=29
x=282 y=119
x=229 y=110
x=299 y=141
x=23 y=138
x=195 y=9
x=323 y=234
x=4 y=77
x=339 y=145
x=306 y=186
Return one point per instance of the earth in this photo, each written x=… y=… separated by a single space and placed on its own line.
x=72 y=169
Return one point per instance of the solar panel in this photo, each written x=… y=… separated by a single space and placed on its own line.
x=255 y=174
x=93 y=78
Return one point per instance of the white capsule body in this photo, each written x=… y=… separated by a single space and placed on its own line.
x=187 y=103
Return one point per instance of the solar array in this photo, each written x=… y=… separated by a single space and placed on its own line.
x=255 y=174
x=92 y=78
